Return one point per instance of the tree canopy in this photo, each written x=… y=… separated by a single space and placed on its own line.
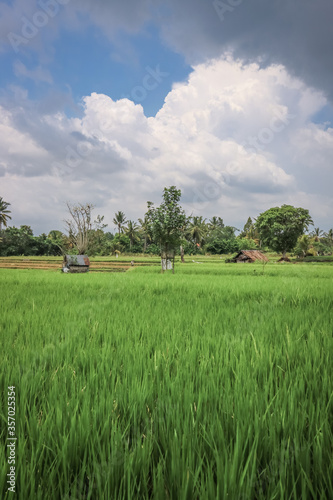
x=4 y=212
x=166 y=231
x=280 y=227
x=167 y=221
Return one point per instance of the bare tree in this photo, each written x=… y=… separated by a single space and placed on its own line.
x=79 y=225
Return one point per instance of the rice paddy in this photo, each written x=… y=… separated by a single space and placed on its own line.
x=213 y=383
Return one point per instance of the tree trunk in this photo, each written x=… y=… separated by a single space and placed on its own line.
x=182 y=254
x=164 y=253
x=284 y=254
x=145 y=245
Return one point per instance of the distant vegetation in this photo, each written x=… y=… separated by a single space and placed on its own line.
x=196 y=235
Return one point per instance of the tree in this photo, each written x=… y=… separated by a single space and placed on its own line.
x=317 y=233
x=144 y=230
x=280 y=227
x=120 y=220
x=166 y=222
x=329 y=235
x=79 y=225
x=303 y=245
x=22 y=242
x=197 y=230
x=132 y=232
x=215 y=223
x=328 y=240
x=222 y=241
x=4 y=212
x=116 y=247
x=59 y=239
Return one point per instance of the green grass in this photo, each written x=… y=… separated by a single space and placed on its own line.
x=211 y=383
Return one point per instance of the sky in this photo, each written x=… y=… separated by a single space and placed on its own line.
x=108 y=102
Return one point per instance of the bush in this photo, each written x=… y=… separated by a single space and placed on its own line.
x=153 y=249
x=221 y=247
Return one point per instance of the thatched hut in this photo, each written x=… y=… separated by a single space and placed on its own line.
x=249 y=256
x=76 y=264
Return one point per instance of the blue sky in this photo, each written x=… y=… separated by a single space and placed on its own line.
x=109 y=102
x=82 y=62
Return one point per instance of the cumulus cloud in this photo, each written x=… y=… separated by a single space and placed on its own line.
x=296 y=34
x=231 y=137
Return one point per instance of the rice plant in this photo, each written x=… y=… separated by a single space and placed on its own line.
x=211 y=383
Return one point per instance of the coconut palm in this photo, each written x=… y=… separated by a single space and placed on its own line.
x=116 y=247
x=329 y=235
x=132 y=231
x=304 y=244
x=144 y=230
x=119 y=221
x=4 y=212
x=317 y=234
x=215 y=223
x=197 y=230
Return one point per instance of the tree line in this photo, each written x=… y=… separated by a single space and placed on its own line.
x=167 y=230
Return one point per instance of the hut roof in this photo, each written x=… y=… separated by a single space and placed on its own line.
x=77 y=260
x=251 y=255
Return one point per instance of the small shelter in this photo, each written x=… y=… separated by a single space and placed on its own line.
x=249 y=256
x=76 y=264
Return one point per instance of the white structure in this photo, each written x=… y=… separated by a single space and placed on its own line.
x=166 y=264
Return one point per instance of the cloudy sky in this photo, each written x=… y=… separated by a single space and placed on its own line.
x=107 y=102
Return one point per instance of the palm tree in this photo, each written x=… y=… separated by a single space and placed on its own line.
x=55 y=235
x=145 y=232
x=62 y=241
x=119 y=220
x=116 y=247
x=4 y=212
x=197 y=230
x=132 y=232
x=329 y=235
x=215 y=223
x=317 y=233
x=304 y=244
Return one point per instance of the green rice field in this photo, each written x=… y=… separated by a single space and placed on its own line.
x=212 y=383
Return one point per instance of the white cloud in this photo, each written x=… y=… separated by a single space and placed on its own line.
x=235 y=138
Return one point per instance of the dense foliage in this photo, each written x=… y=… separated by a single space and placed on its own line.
x=167 y=227
x=21 y=241
x=166 y=222
x=4 y=212
x=280 y=227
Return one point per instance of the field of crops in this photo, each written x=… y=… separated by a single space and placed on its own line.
x=212 y=383
x=97 y=264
